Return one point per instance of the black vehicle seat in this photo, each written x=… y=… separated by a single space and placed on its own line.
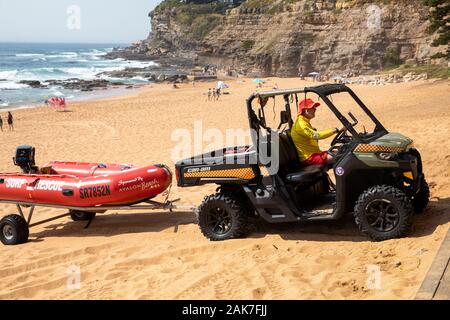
x=306 y=174
x=289 y=161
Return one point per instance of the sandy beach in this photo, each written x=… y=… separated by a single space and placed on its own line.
x=162 y=255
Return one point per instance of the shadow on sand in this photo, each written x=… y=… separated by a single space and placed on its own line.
x=424 y=224
x=437 y=213
x=111 y=224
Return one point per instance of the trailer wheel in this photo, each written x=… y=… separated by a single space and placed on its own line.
x=222 y=217
x=383 y=212
x=13 y=230
x=77 y=215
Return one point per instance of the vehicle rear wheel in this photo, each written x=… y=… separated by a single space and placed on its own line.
x=383 y=212
x=13 y=230
x=222 y=217
x=421 y=199
x=77 y=215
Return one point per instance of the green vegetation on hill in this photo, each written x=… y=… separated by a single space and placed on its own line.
x=433 y=71
x=392 y=58
x=439 y=17
x=199 y=18
x=193 y=9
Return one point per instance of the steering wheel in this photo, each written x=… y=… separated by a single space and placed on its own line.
x=341 y=137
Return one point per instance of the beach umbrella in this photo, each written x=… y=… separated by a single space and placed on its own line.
x=221 y=85
x=258 y=81
x=314 y=73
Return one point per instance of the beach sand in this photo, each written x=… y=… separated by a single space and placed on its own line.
x=162 y=255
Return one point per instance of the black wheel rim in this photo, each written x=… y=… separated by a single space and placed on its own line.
x=218 y=220
x=8 y=232
x=382 y=215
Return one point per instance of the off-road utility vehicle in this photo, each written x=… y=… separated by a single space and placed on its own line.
x=378 y=175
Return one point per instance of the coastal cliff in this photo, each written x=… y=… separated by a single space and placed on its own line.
x=289 y=37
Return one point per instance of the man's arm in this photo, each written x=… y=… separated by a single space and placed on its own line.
x=319 y=135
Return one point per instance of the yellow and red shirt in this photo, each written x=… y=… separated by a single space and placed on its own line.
x=306 y=138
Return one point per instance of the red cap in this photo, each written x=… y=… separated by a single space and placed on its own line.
x=307 y=104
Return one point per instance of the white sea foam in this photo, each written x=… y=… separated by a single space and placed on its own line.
x=69 y=54
x=8 y=74
x=139 y=79
x=94 y=53
x=139 y=64
x=27 y=55
x=10 y=85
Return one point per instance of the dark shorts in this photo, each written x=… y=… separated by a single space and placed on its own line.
x=316 y=158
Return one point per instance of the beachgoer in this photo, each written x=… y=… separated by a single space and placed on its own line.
x=1 y=123
x=209 y=94
x=10 y=121
x=306 y=138
x=217 y=94
x=214 y=95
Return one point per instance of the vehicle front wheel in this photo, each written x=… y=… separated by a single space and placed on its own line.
x=421 y=199
x=77 y=215
x=383 y=212
x=13 y=230
x=222 y=217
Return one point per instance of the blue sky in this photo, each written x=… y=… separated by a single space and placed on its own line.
x=99 y=21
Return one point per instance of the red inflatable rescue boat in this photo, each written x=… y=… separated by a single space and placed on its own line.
x=82 y=188
x=80 y=184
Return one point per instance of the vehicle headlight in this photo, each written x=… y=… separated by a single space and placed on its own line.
x=387 y=155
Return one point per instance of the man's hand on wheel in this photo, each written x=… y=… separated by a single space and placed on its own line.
x=343 y=128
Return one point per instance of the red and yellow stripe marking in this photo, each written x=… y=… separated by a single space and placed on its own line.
x=242 y=173
x=370 y=148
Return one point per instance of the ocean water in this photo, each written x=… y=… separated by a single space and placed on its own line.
x=41 y=61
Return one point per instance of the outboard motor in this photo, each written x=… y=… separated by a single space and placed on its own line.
x=25 y=159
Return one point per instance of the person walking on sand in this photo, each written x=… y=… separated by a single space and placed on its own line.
x=1 y=123
x=214 y=96
x=10 y=121
x=209 y=94
x=217 y=94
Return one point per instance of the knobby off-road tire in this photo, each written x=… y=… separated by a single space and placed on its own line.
x=383 y=212
x=222 y=217
x=77 y=215
x=13 y=230
x=421 y=199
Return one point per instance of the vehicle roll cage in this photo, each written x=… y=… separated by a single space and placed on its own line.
x=323 y=91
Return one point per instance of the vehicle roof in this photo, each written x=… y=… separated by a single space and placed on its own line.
x=324 y=89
